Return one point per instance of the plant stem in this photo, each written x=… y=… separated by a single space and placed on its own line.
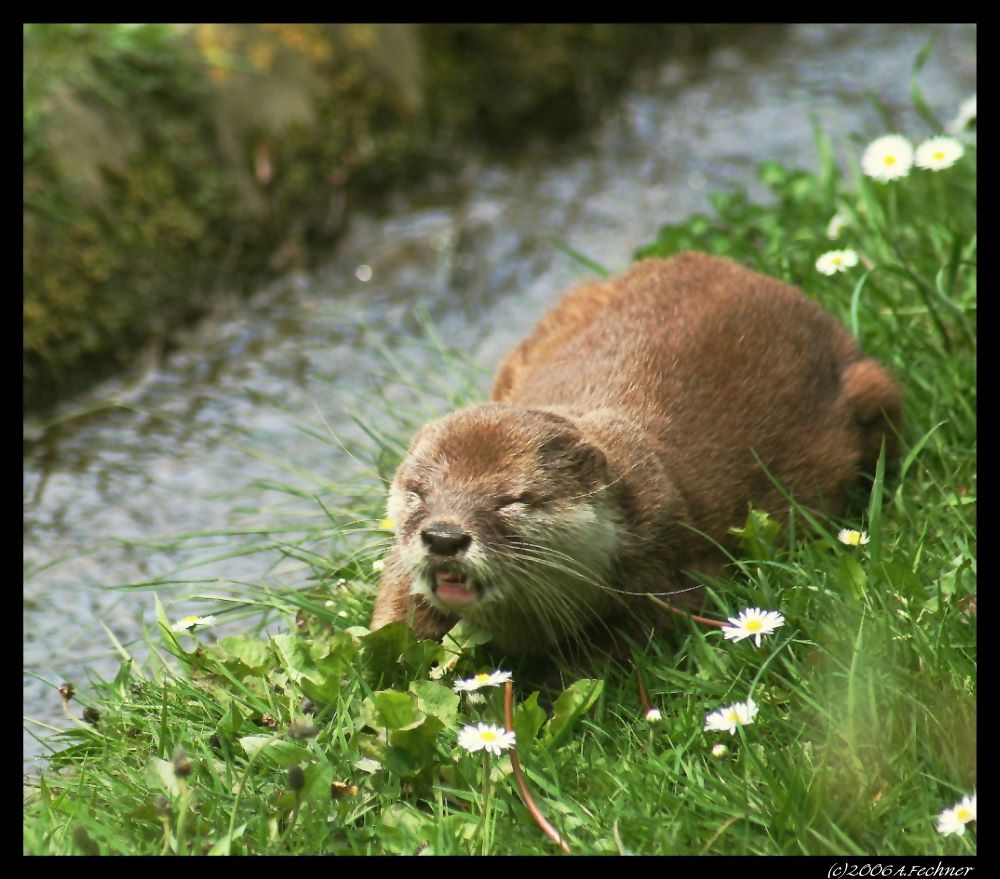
x=486 y=802
x=705 y=621
x=642 y=693
x=515 y=764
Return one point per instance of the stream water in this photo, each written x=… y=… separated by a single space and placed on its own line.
x=107 y=488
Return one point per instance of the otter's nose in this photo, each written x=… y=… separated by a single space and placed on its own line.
x=443 y=539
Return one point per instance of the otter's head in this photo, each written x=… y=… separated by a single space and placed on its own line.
x=503 y=516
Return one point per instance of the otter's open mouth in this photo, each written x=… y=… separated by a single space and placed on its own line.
x=451 y=586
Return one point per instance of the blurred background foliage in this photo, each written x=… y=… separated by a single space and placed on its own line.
x=166 y=165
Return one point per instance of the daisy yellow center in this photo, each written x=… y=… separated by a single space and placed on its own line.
x=837 y=260
x=189 y=621
x=482 y=678
x=963 y=814
x=853 y=537
x=890 y=160
x=731 y=717
x=939 y=155
x=488 y=736
x=754 y=625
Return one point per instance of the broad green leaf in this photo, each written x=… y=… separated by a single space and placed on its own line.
x=412 y=750
x=436 y=700
x=392 y=710
x=464 y=636
x=230 y=722
x=418 y=658
x=160 y=774
x=903 y=580
x=148 y=812
x=384 y=647
x=294 y=656
x=372 y=747
x=250 y=652
x=528 y=720
x=224 y=845
x=853 y=574
x=316 y=668
x=574 y=701
x=316 y=788
x=403 y=829
x=283 y=753
x=758 y=536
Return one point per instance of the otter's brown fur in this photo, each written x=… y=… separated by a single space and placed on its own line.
x=625 y=438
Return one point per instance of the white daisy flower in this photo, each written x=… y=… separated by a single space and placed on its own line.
x=484 y=679
x=752 y=622
x=938 y=153
x=727 y=719
x=485 y=736
x=653 y=715
x=193 y=621
x=966 y=113
x=888 y=158
x=836 y=225
x=953 y=820
x=834 y=261
x=852 y=538
x=719 y=750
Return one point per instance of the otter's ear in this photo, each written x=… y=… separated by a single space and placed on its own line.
x=566 y=451
x=417 y=437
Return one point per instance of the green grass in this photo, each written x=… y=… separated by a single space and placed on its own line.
x=867 y=696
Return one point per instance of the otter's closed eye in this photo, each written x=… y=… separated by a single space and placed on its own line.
x=509 y=501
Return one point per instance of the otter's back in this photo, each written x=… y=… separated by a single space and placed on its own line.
x=722 y=365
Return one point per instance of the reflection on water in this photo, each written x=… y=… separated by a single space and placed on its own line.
x=479 y=249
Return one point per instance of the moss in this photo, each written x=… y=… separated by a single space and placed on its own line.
x=163 y=164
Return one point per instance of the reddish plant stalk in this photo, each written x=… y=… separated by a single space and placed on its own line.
x=642 y=693
x=515 y=764
x=705 y=621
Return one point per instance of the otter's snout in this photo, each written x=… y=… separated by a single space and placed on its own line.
x=444 y=539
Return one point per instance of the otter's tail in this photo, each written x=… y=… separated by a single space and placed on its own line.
x=871 y=394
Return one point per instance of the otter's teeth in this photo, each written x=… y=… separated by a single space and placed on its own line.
x=453 y=588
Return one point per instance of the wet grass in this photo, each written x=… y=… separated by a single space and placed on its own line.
x=316 y=737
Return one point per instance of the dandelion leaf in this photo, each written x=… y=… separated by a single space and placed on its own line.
x=383 y=648
x=281 y=752
x=759 y=535
x=436 y=700
x=529 y=718
x=412 y=750
x=243 y=653
x=392 y=710
x=160 y=774
x=853 y=575
x=574 y=701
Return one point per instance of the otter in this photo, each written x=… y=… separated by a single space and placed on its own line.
x=625 y=437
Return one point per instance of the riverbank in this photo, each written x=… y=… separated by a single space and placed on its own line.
x=168 y=167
